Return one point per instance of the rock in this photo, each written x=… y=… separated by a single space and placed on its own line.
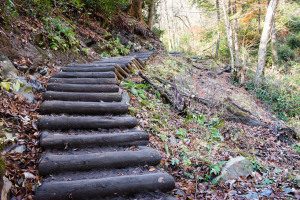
x=252 y=195
x=43 y=72
x=173 y=140
x=5 y=192
x=23 y=68
x=235 y=168
x=19 y=149
x=266 y=192
x=125 y=98
x=8 y=69
x=287 y=190
x=179 y=192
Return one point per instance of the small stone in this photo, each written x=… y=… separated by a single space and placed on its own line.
x=23 y=68
x=287 y=190
x=266 y=193
x=43 y=72
x=19 y=149
x=252 y=195
x=173 y=140
x=125 y=98
x=177 y=192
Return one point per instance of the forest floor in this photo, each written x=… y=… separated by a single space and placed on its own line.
x=196 y=144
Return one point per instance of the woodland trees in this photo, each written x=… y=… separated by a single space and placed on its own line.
x=262 y=52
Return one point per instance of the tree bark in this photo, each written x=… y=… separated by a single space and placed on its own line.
x=274 y=47
x=219 y=19
x=229 y=38
x=96 y=122
x=262 y=52
x=85 y=189
x=59 y=141
x=136 y=9
x=83 y=108
x=236 y=38
x=52 y=163
x=151 y=14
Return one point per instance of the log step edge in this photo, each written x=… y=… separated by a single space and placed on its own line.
x=110 y=186
x=52 y=163
x=59 y=141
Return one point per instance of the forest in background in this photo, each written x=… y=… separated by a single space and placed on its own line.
x=201 y=28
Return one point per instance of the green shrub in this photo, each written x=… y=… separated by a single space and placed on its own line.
x=280 y=100
x=294 y=41
x=285 y=53
x=158 y=32
x=114 y=48
x=107 y=6
x=60 y=34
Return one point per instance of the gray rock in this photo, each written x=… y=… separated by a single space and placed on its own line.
x=235 y=168
x=125 y=98
x=43 y=71
x=23 y=68
x=8 y=69
x=252 y=195
x=5 y=192
x=287 y=190
x=173 y=140
x=266 y=193
x=179 y=192
x=19 y=149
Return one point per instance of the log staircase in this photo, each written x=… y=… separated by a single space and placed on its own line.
x=91 y=149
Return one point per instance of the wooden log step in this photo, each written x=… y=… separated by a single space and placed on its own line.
x=89 y=69
x=99 y=188
x=52 y=140
x=82 y=88
x=89 y=122
x=52 y=163
x=85 y=108
x=84 y=80
x=84 y=75
x=78 y=96
x=94 y=64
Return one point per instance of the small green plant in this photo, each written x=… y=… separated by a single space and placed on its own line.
x=136 y=89
x=181 y=134
x=175 y=161
x=114 y=48
x=296 y=146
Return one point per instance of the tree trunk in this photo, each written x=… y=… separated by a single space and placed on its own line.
x=151 y=15
x=274 y=47
x=136 y=9
x=229 y=37
x=262 y=52
x=219 y=18
x=259 y=14
x=236 y=39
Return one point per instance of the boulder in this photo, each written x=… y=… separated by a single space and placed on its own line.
x=235 y=168
x=8 y=70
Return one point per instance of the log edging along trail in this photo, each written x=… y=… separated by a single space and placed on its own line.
x=83 y=100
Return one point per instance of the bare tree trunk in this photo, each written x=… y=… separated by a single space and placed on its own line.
x=236 y=38
x=259 y=14
x=229 y=37
x=262 y=52
x=136 y=9
x=219 y=18
x=151 y=15
x=274 y=47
